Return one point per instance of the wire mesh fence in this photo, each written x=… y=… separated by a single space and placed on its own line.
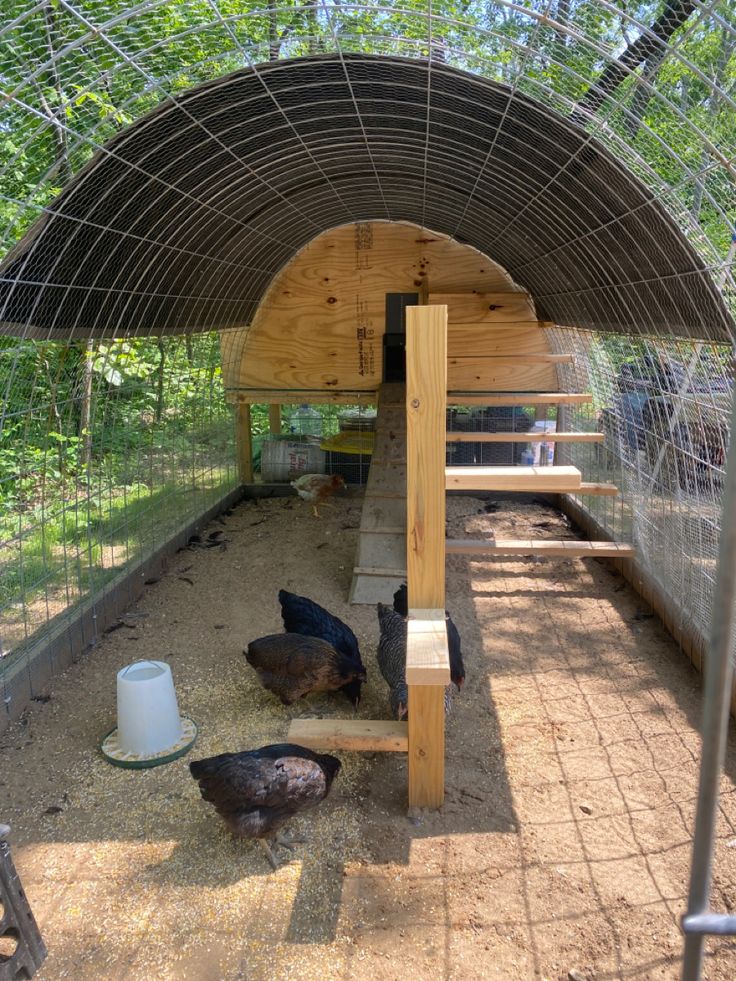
x=107 y=449
x=664 y=409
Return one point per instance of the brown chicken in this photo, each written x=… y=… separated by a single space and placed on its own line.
x=292 y=666
x=317 y=487
x=257 y=792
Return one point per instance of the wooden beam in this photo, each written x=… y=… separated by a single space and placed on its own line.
x=512 y=360
x=244 y=439
x=426 y=373
x=426 y=385
x=530 y=437
x=285 y=396
x=274 y=418
x=515 y=398
x=525 y=479
x=426 y=758
x=536 y=546
x=351 y=735
x=429 y=663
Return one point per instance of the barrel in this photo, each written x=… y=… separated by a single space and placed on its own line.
x=283 y=460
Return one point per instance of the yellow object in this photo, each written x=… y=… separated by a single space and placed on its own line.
x=349 y=442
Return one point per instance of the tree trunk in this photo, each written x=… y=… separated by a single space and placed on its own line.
x=673 y=16
x=274 y=44
x=85 y=407
x=60 y=134
x=724 y=56
x=160 y=380
x=642 y=94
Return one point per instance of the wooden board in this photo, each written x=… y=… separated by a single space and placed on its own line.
x=426 y=758
x=536 y=546
x=528 y=437
x=426 y=383
x=527 y=479
x=321 y=322
x=599 y=490
x=499 y=375
x=495 y=340
x=484 y=308
x=351 y=735
x=427 y=656
x=521 y=398
x=258 y=396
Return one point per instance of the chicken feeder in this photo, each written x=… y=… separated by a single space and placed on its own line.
x=150 y=730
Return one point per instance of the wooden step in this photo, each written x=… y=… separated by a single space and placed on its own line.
x=352 y=735
x=427 y=656
x=527 y=479
x=516 y=398
x=390 y=573
x=533 y=437
x=537 y=546
x=599 y=490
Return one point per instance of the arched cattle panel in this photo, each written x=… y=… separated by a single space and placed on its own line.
x=181 y=222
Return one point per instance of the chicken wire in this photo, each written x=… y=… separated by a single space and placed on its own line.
x=664 y=408
x=108 y=449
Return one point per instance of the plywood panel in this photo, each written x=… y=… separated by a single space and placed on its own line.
x=497 y=375
x=484 y=308
x=495 y=340
x=320 y=326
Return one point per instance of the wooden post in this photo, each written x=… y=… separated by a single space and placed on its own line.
x=274 y=419
x=427 y=663
x=245 y=443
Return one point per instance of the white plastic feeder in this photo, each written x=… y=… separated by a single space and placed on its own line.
x=150 y=730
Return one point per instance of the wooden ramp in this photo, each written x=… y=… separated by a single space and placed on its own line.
x=380 y=562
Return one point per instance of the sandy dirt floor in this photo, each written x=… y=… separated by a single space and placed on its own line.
x=563 y=845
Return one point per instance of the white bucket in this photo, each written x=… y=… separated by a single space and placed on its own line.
x=148 y=714
x=284 y=460
x=544 y=426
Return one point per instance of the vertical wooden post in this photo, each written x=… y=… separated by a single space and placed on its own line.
x=274 y=419
x=427 y=665
x=245 y=443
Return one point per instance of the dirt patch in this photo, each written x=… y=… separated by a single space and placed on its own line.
x=564 y=842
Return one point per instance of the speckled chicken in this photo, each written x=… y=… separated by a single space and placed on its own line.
x=317 y=487
x=457 y=668
x=258 y=791
x=391 y=657
x=303 y=616
x=291 y=666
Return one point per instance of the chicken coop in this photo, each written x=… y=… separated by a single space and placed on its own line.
x=439 y=251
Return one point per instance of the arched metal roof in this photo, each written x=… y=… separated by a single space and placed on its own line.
x=182 y=220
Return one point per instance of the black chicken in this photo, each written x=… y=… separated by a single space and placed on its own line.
x=304 y=616
x=391 y=657
x=258 y=791
x=292 y=666
x=457 y=668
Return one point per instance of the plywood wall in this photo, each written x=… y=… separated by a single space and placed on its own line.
x=318 y=332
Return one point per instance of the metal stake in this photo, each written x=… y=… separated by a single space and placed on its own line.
x=718 y=676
